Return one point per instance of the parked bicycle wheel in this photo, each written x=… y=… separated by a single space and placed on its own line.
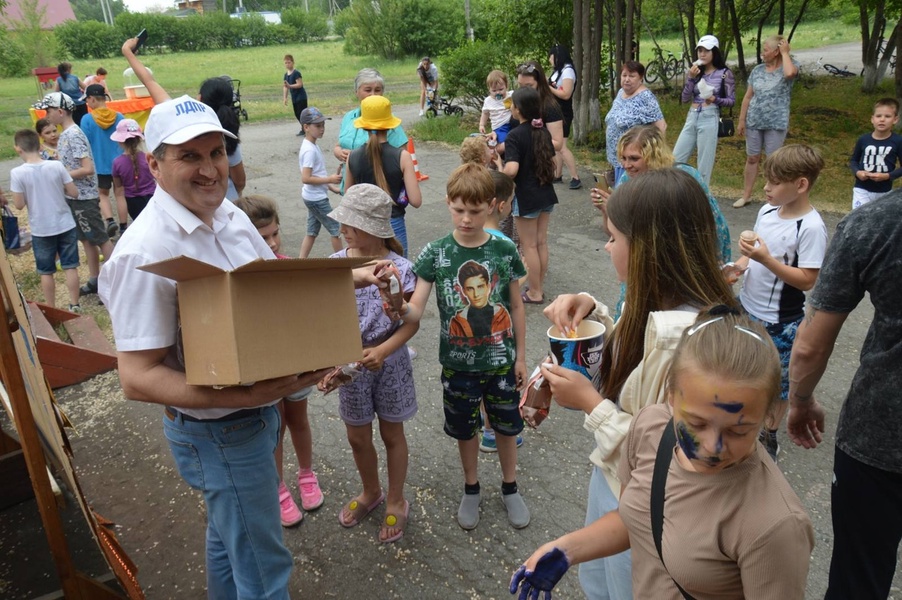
x=654 y=71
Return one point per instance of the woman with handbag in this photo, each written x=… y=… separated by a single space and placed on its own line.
x=733 y=528
x=710 y=86
x=663 y=245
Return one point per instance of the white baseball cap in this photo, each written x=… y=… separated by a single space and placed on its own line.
x=708 y=42
x=181 y=119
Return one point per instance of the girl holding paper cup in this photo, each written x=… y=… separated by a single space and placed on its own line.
x=663 y=245
x=710 y=86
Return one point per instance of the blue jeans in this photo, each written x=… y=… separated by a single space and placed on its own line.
x=699 y=132
x=608 y=578
x=400 y=228
x=232 y=463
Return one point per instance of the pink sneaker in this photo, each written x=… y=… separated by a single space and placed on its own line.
x=291 y=515
x=311 y=495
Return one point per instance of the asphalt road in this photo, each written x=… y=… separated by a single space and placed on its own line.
x=128 y=475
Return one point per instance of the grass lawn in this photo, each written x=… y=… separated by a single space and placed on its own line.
x=830 y=116
x=328 y=75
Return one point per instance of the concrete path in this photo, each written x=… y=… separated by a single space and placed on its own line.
x=128 y=474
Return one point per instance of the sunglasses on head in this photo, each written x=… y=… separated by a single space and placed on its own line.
x=525 y=68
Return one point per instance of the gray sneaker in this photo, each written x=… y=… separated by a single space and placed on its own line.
x=468 y=512
x=517 y=512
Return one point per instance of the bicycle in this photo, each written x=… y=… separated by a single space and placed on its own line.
x=663 y=67
x=809 y=80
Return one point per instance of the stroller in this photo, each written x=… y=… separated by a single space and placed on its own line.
x=236 y=97
x=434 y=103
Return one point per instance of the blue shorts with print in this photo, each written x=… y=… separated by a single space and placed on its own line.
x=783 y=335
x=47 y=248
x=464 y=391
x=515 y=210
x=318 y=215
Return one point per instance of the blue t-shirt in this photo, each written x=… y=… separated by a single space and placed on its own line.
x=103 y=148
x=70 y=87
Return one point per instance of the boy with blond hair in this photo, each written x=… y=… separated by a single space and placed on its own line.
x=874 y=158
x=42 y=185
x=483 y=362
x=496 y=107
x=784 y=260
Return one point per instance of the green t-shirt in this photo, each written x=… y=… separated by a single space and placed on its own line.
x=472 y=288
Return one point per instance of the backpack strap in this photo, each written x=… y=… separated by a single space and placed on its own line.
x=658 y=485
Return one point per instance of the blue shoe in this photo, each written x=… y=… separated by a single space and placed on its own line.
x=488 y=443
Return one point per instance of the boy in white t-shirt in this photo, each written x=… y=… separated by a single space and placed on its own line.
x=42 y=186
x=317 y=182
x=784 y=260
x=497 y=105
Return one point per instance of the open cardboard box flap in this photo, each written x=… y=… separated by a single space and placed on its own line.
x=266 y=319
x=185 y=268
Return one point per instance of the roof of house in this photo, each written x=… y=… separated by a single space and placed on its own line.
x=57 y=11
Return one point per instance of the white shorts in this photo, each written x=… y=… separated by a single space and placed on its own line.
x=861 y=197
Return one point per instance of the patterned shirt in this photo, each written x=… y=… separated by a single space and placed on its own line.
x=626 y=113
x=73 y=146
x=443 y=262
x=769 y=107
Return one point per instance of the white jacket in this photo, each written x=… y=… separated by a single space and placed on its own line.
x=610 y=421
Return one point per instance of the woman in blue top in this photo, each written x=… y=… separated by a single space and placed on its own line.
x=710 y=86
x=644 y=149
x=73 y=87
x=369 y=82
x=634 y=105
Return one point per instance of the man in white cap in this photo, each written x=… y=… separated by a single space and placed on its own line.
x=187 y=216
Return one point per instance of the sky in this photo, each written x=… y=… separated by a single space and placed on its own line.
x=145 y=5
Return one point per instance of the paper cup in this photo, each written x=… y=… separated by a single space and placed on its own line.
x=581 y=353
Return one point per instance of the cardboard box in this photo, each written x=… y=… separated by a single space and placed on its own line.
x=267 y=319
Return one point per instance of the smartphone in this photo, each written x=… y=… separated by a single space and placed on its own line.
x=601 y=182
x=142 y=37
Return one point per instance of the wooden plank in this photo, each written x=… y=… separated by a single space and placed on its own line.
x=84 y=333
x=41 y=327
x=65 y=364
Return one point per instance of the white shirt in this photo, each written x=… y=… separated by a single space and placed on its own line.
x=798 y=242
x=311 y=156
x=143 y=306
x=499 y=113
x=42 y=184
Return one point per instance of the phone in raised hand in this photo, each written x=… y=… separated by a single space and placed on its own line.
x=142 y=38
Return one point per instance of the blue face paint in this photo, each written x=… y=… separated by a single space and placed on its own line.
x=687 y=441
x=730 y=407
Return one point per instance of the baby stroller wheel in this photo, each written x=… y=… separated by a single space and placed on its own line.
x=431 y=112
x=457 y=111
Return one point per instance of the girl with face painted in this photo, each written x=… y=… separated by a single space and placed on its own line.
x=663 y=245
x=732 y=526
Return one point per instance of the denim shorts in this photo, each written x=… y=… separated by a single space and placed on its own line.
x=88 y=221
x=318 y=215
x=46 y=249
x=783 y=335
x=464 y=391
x=515 y=210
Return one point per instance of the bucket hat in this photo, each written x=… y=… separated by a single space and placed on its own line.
x=125 y=129
x=366 y=207
x=375 y=114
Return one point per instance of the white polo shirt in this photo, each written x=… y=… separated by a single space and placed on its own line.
x=143 y=306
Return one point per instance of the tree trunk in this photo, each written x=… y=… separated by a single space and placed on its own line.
x=898 y=70
x=587 y=34
x=798 y=19
x=737 y=38
x=870 y=42
x=888 y=51
x=712 y=13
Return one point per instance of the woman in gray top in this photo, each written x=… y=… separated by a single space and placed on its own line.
x=764 y=117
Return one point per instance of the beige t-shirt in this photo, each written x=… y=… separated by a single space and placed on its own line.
x=739 y=533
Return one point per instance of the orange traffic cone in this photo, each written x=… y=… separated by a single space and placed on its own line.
x=413 y=157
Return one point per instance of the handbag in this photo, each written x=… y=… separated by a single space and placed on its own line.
x=11 y=238
x=658 y=484
x=725 y=127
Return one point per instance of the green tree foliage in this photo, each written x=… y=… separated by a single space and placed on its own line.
x=88 y=39
x=305 y=25
x=12 y=56
x=529 y=27
x=90 y=10
x=464 y=70
x=38 y=45
x=396 y=28
x=341 y=22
